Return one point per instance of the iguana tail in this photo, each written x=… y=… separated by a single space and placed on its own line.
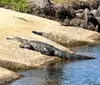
x=18 y=39
x=66 y=55
x=38 y=33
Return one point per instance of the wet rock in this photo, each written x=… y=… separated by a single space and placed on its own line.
x=7 y=76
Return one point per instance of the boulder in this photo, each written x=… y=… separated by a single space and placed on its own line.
x=63 y=12
x=42 y=8
x=71 y=36
x=39 y=3
x=98 y=12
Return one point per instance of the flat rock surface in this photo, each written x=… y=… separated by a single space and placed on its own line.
x=7 y=76
x=71 y=36
x=13 y=24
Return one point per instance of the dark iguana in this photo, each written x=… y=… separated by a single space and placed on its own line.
x=47 y=49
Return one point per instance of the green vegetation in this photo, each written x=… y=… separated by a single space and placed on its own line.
x=20 y=5
x=17 y=5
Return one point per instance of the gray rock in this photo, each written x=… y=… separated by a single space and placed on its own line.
x=79 y=11
x=79 y=15
x=94 y=12
x=94 y=21
x=42 y=8
x=39 y=3
x=78 y=23
x=98 y=12
x=85 y=14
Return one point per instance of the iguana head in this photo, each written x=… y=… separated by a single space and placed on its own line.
x=18 y=39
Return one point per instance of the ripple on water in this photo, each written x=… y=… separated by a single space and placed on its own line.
x=86 y=72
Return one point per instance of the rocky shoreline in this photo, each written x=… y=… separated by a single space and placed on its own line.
x=80 y=13
x=47 y=8
x=14 y=24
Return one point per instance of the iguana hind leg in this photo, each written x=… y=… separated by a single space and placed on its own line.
x=47 y=51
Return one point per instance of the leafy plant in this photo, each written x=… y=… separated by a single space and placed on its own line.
x=17 y=5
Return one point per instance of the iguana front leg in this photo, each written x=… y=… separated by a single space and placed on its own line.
x=26 y=46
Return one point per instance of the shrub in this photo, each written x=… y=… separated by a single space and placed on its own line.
x=17 y=5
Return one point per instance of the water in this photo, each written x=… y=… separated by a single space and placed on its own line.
x=85 y=72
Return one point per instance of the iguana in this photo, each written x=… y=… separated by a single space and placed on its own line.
x=47 y=49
